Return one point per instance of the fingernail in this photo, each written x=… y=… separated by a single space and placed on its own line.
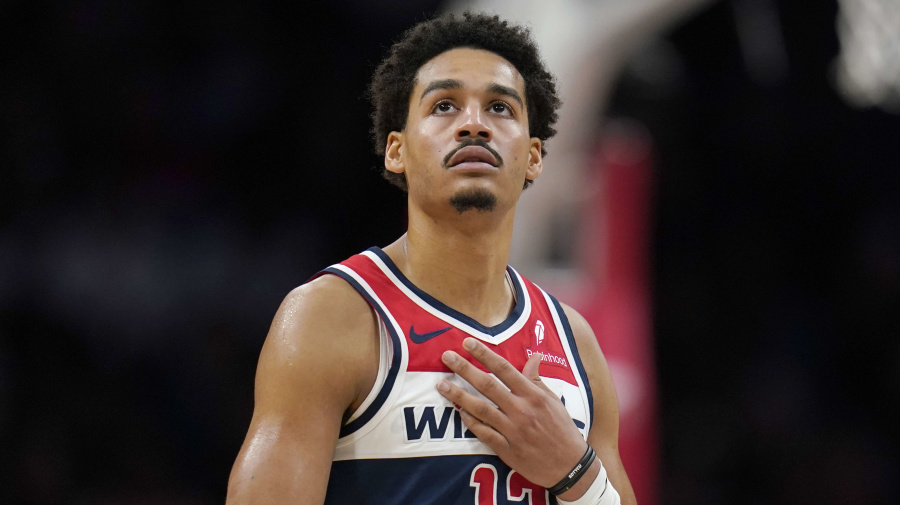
x=469 y=344
x=448 y=357
x=443 y=386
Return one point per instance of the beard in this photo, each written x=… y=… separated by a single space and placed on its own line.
x=480 y=200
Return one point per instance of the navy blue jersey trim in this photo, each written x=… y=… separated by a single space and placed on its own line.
x=395 y=361
x=430 y=300
x=578 y=364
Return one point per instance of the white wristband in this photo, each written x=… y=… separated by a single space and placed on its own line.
x=601 y=492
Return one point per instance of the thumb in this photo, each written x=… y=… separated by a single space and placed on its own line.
x=531 y=370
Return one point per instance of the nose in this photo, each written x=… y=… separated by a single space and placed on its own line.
x=473 y=124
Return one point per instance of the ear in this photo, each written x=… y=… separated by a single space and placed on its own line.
x=393 y=153
x=535 y=160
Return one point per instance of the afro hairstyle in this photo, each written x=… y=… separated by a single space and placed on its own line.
x=395 y=76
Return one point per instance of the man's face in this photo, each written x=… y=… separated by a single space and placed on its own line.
x=466 y=140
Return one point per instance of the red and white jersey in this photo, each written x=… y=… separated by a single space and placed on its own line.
x=406 y=444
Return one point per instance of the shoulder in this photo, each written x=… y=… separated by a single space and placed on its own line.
x=327 y=291
x=586 y=341
x=327 y=303
x=580 y=327
x=319 y=324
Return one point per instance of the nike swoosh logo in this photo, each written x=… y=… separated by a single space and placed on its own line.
x=420 y=338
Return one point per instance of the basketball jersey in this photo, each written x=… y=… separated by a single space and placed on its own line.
x=406 y=444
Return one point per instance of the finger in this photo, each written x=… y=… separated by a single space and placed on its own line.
x=531 y=371
x=501 y=368
x=487 y=434
x=485 y=383
x=485 y=411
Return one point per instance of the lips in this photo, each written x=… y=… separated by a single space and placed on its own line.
x=473 y=154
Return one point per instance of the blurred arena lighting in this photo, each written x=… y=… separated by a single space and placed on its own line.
x=867 y=70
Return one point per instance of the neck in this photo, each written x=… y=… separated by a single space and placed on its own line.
x=460 y=261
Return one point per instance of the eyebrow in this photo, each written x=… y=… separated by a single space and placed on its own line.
x=440 y=84
x=494 y=88
x=500 y=89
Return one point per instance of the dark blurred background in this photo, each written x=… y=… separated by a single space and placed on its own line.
x=169 y=171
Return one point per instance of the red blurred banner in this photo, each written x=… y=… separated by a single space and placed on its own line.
x=616 y=300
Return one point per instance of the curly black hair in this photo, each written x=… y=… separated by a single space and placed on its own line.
x=394 y=78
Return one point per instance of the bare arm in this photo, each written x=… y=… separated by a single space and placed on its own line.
x=317 y=365
x=529 y=428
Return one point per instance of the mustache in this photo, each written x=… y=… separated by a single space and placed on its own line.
x=473 y=142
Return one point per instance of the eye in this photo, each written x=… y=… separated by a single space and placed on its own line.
x=443 y=107
x=501 y=108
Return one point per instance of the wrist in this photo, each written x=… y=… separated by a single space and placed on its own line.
x=600 y=491
x=577 y=473
x=581 y=487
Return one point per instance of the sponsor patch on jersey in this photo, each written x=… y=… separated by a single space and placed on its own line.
x=538 y=333
x=549 y=358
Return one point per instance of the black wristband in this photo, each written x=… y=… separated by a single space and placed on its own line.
x=572 y=477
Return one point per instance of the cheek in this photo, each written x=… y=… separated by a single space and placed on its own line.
x=522 y=150
x=431 y=150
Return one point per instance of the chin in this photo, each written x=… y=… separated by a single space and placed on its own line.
x=480 y=200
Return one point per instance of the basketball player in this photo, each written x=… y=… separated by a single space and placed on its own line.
x=430 y=372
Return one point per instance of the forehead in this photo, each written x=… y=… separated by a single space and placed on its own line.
x=475 y=68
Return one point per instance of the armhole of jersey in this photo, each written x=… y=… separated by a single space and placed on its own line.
x=576 y=358
x=391 y=363
x=386 y=351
